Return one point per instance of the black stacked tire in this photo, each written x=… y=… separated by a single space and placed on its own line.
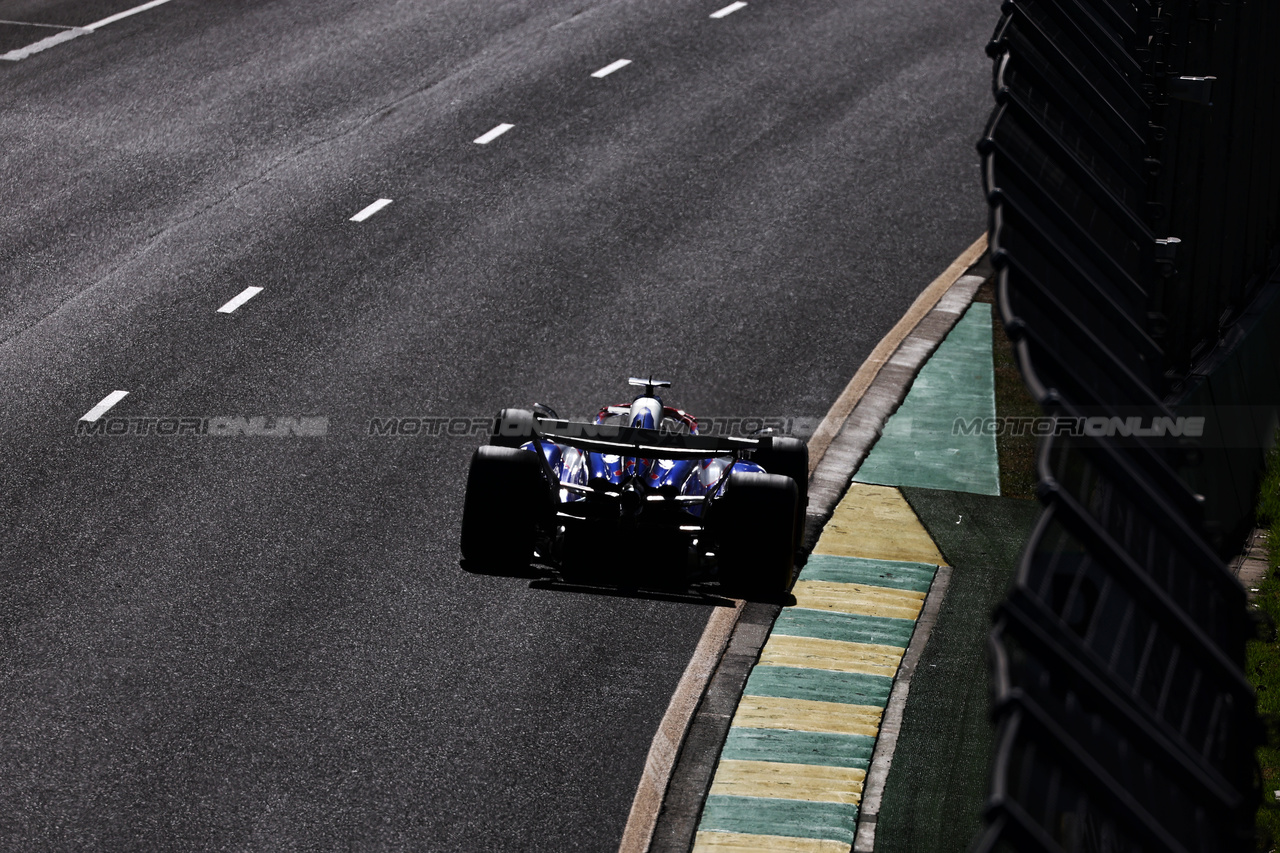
x=789 y=457
x=754 y=527
x=507 y=497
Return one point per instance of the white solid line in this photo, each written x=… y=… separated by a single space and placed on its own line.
x=69 y=33
x=728 y=10
x=245 y=295
x=612 y=67
x=30 y=24
x=493 y=134
x=22 y=53
x=126 y=13
x=107 y=402
x=371 y=210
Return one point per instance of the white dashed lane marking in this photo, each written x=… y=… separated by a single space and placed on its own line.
x=244 y=296
x=612 y=67
x=728 y=10
x=371 y=210
x=493 y=134
x=105 y=406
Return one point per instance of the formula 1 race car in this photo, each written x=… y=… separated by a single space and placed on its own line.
x=636 y=497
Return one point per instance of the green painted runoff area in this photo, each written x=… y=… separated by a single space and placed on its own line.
x=922 y=444
x=935 y=792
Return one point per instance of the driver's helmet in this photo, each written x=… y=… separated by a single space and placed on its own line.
x=645 y=412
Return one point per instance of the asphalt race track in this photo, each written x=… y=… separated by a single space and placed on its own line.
x=254 y=642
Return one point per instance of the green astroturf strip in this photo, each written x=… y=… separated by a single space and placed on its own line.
x=920 y=445
x=888 y=573
x=793 y=818
x=849 y=627
x=819 y=685
x=830 y=750
x=936 y=791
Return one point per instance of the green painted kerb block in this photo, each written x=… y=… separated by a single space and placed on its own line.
x=820 y=748
x=848 y=627
x=819 y=685
x=766 y=816
x=916 y=577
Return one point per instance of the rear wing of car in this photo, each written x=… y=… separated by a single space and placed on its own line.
x=625 y=440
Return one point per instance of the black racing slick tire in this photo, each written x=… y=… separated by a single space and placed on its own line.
x=754 y=524
x=789 y=457
x=513 y=427
x=507 y=498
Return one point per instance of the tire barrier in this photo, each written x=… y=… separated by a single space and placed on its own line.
x=1135 y=226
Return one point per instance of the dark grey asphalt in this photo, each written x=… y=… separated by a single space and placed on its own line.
x=267 y=644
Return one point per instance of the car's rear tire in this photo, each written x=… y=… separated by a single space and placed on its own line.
x=789 y=457
x=754 y=525
x=507 y=497
x=513 y=427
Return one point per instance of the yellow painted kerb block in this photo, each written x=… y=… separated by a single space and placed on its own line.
x=807 y=715
x=858 y=598
x=834 y=655
x=741 y=842
x=876 y=523
x=777 y=780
